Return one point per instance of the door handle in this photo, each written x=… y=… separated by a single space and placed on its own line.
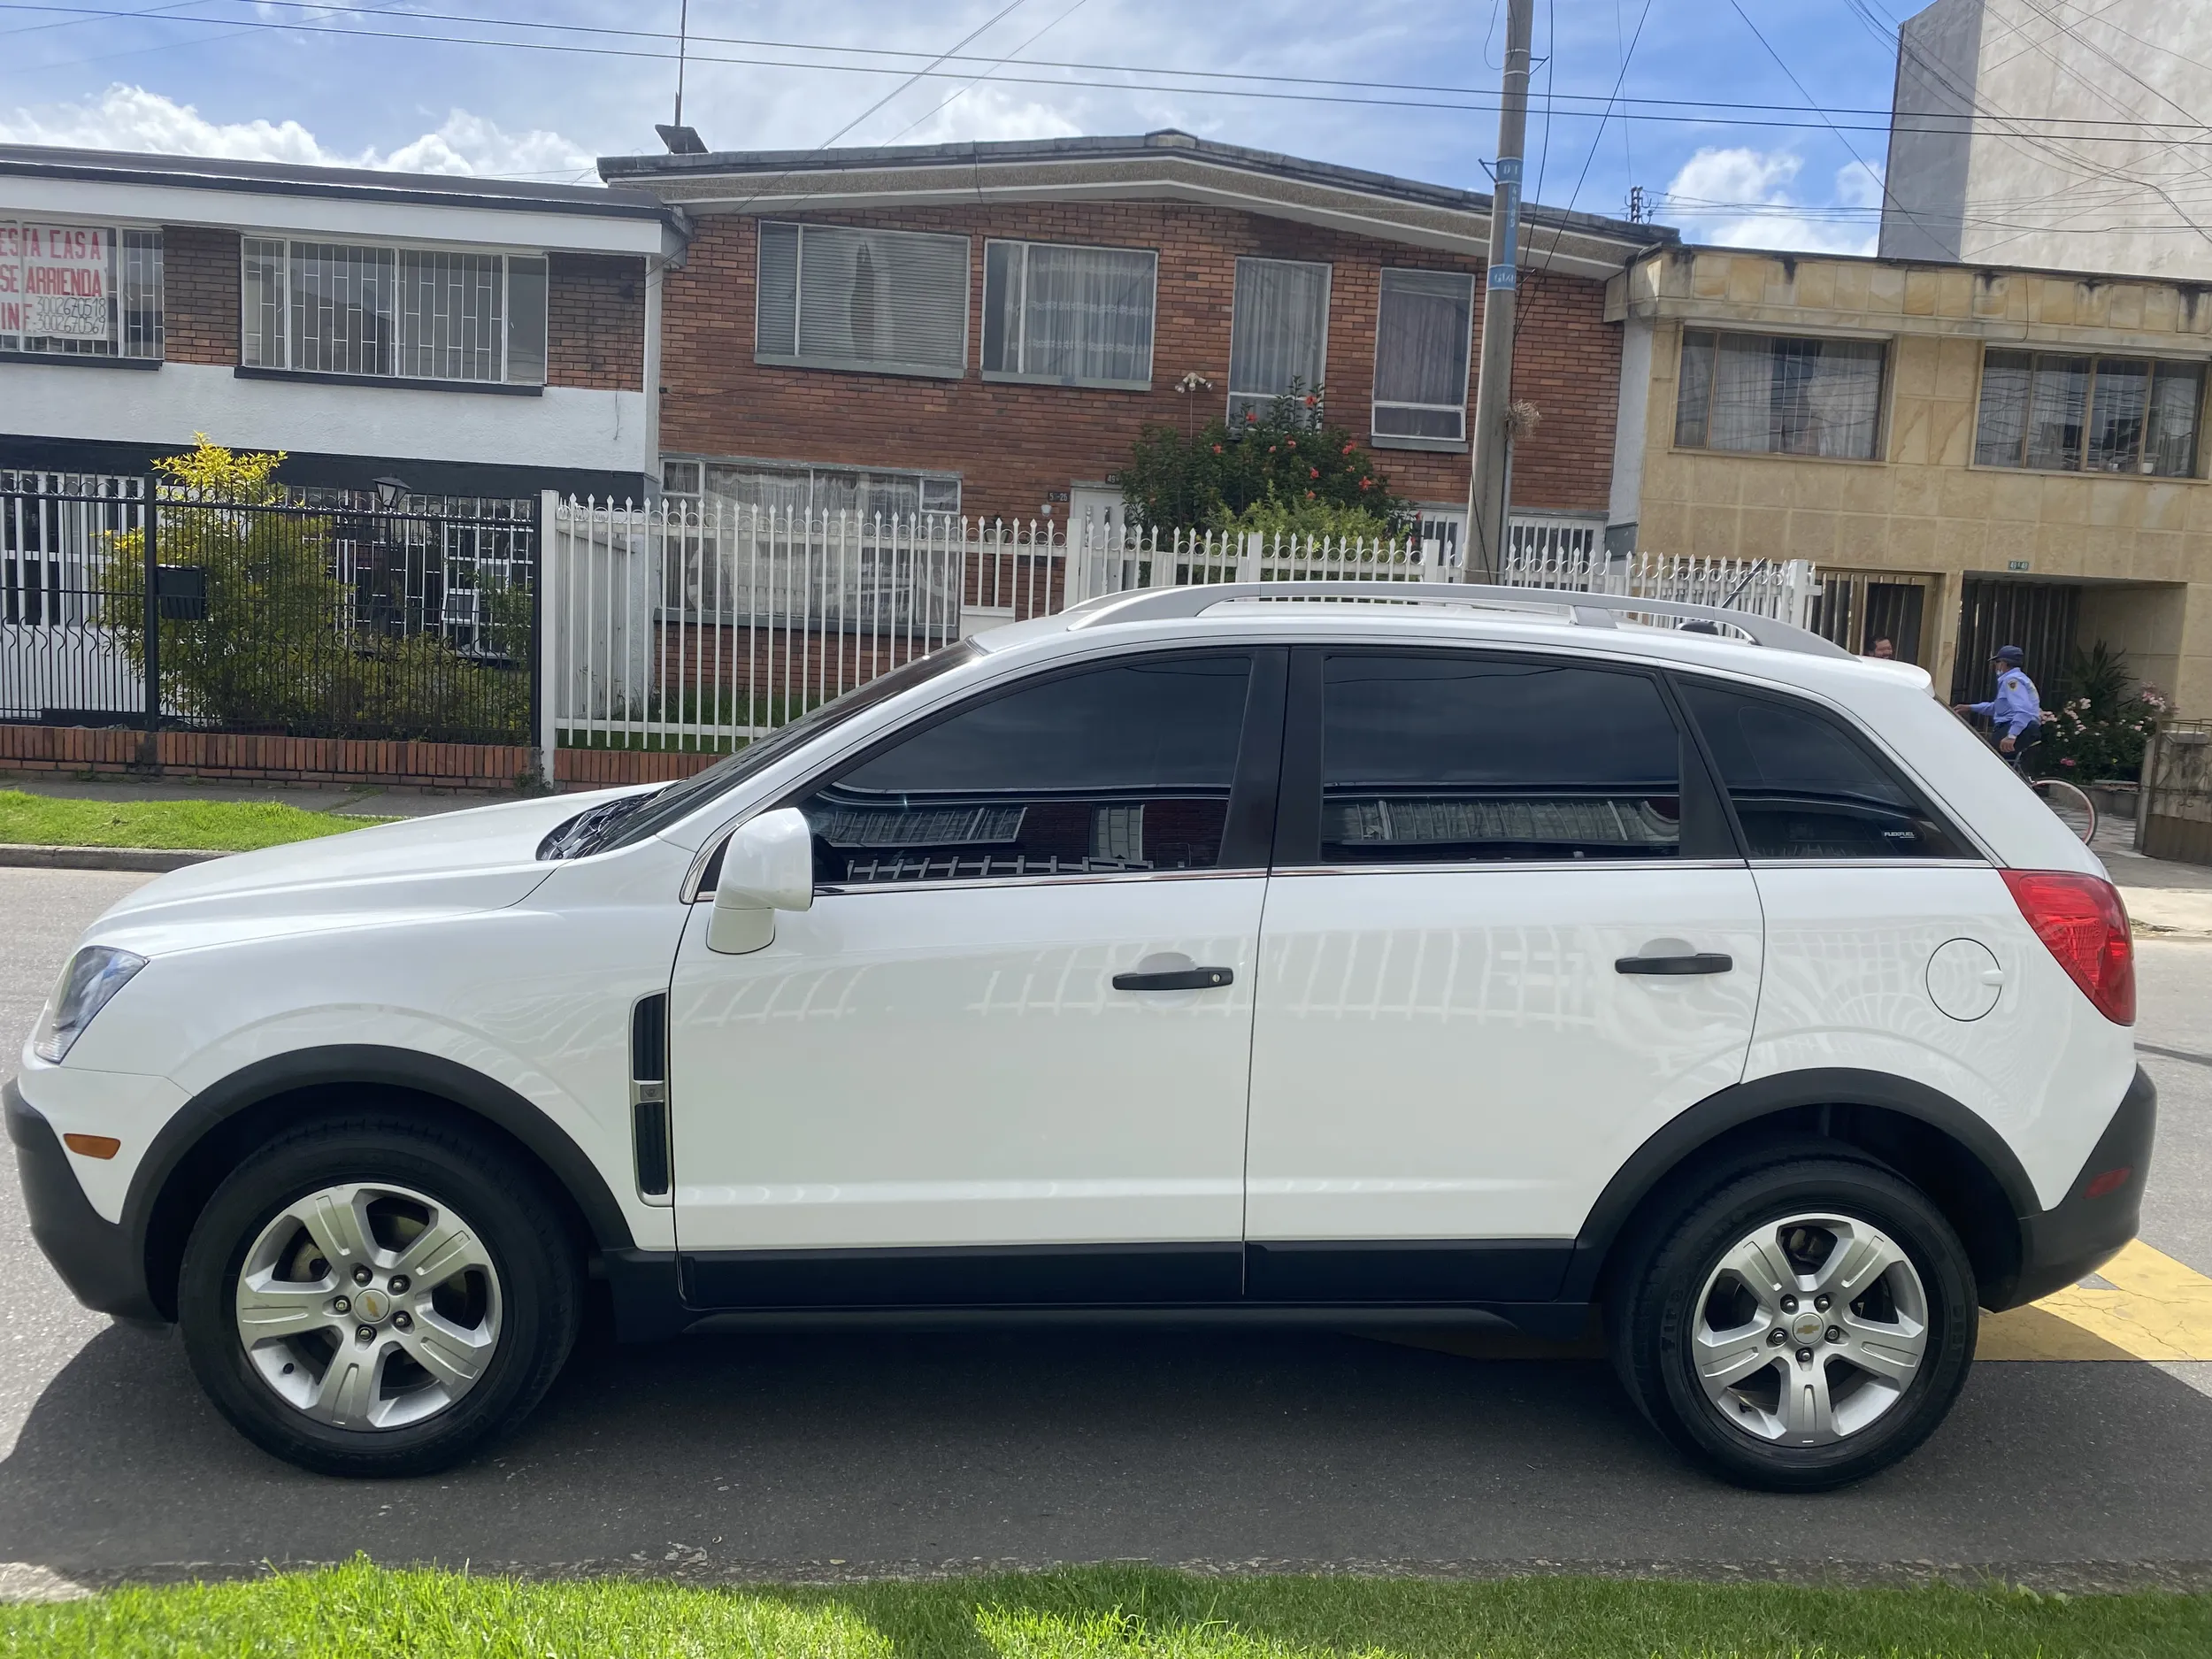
x=1176 y=980
x=1695 y=962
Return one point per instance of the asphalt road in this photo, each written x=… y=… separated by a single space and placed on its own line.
x=835 y=1454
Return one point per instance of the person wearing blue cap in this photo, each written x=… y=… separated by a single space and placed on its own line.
x=2016 y=713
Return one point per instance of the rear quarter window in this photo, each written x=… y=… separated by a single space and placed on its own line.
x=1805 y=785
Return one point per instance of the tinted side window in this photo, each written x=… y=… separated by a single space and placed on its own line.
x=1125 y=768
x=1805 y=787
x=1428 y=760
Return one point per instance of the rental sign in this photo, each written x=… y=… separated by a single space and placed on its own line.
x=54 y=282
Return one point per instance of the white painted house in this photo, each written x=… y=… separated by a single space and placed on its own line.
x=466 y=336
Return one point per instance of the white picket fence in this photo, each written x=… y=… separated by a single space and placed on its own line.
x=694 y=627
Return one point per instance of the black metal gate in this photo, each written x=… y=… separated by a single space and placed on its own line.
x=305 y=613
x=2039 y=618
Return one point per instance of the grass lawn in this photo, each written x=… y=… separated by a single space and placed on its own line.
x=1092 y=1613
x=220 y=826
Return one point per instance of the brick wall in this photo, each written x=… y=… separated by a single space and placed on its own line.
x=1015 y=444
x=115 y=751
x=112 y=750
x=199 y=277
x=595 y=322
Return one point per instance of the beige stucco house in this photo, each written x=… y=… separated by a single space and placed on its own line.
x=1971 y=455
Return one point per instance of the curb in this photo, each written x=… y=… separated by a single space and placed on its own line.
x=146 y=860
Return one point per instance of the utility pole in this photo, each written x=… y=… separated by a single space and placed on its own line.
x=1488 y=487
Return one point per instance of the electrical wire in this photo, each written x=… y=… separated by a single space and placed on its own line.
x=1486 y=98
x=995 y=18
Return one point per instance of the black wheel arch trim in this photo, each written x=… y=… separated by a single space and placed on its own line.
x=1742 y=1104
x=369 y=1066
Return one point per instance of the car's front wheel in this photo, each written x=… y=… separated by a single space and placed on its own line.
x=1801 y=1327
x=376 y=1296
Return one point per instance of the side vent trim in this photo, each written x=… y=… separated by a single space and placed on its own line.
x=649 y=1135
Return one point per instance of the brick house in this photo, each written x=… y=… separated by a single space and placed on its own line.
x=985 y=328
x=470 y=337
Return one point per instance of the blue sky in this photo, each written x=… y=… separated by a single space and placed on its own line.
x=217 y=77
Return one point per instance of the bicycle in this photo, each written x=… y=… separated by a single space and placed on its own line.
x=2074 y=808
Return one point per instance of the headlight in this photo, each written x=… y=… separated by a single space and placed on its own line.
x=94 y=974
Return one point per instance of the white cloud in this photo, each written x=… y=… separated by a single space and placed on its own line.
x=1746 y=198
x=132 y=119
x=979 y=113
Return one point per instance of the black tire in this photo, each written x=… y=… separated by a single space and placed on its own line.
x=534 y=1269
x=1653 y=1310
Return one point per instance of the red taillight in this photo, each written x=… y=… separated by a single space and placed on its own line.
x=2085 y=925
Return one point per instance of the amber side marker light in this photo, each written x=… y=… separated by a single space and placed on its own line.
x=93 y=1146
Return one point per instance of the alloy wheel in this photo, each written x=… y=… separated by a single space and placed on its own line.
x=1810 y=1330
x=368 y=1306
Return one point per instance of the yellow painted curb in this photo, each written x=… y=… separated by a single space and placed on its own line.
x=2157 y=1310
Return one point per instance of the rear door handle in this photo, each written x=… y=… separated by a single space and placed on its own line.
x=1176 y=980
x=1695 y=962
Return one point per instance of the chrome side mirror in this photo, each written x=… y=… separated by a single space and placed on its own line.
x=767 y=866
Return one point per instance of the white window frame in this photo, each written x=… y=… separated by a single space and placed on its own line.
x=1394 y=441
x=115 y=230
x=1328 y=304
x=504 y=255
x=1021 y=378
x=794 y=359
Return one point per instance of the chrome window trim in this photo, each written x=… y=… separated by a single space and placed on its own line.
x=1873 y=863
x=1098 y=879
x=1518 y=866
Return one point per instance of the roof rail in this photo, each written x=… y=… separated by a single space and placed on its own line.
x=1599 y=610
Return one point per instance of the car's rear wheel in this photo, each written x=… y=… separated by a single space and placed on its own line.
x=375 y=1296
x=1800 y=1327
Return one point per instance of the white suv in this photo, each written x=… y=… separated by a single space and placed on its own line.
x=1396 y=955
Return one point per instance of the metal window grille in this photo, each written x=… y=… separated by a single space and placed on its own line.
x=341 y=308
x=451 y=307
x=338 y=308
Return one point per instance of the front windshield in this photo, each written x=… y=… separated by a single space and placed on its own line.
x=647 y=815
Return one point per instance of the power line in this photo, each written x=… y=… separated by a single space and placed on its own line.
x=1888 y=195
x=1484 y=100
x=992 y=22
x=1001 y=63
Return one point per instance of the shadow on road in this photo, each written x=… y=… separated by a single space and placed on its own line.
x=728 y=1456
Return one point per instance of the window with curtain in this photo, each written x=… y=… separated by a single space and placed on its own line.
x=1279 y=333
x=1769 y=394
x=884 y=302
x=408 y=313
x=1423 y=332
x=1069 y=316
x=2058 y=413
x=802 y=491
x=80 y=290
